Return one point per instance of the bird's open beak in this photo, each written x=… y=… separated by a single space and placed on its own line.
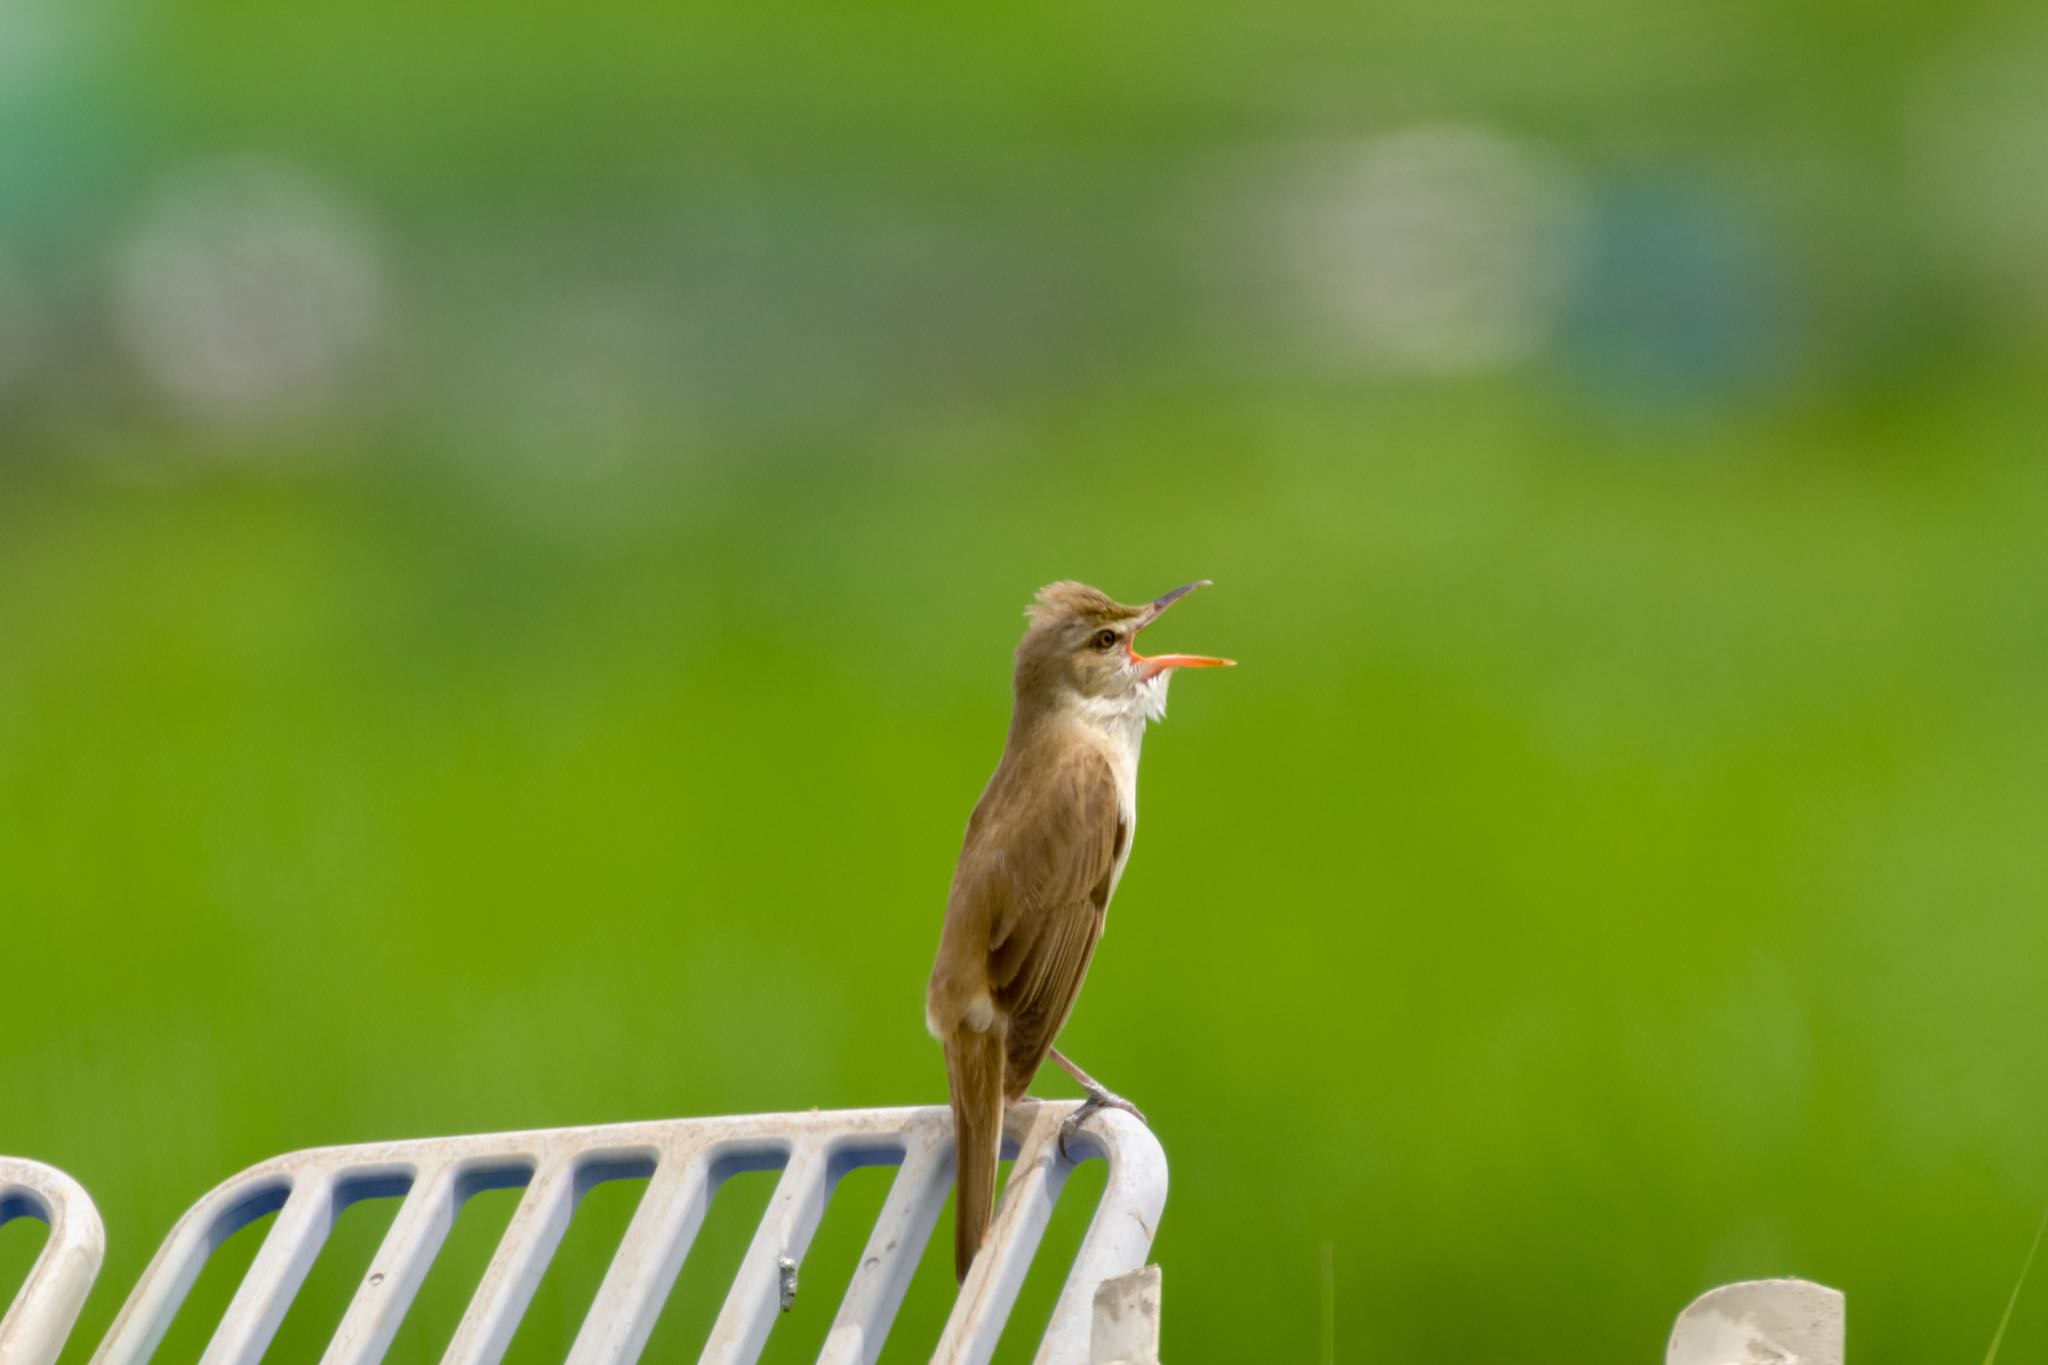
x=1155 y=664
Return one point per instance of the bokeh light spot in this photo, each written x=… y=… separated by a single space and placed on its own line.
x=1445 y=248
x=250 y=289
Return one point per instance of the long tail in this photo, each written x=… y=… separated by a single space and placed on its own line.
x=974 y=1074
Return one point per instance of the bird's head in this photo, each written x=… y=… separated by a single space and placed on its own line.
x=1081 y=649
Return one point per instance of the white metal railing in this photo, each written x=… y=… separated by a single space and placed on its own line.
x=49 y=1299
x=684 y=1162
x=1107 y=1314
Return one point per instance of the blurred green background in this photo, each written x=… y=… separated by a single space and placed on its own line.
x=512 y=525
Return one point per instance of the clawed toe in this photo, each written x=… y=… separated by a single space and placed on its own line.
x=1073 y=1123
x=1096 y=1101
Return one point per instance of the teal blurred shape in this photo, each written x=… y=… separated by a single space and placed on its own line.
x=1683 y=299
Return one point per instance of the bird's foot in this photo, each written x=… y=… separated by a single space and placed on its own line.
x=1098 y=1099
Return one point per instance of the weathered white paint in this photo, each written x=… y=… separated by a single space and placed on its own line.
x=1761 y=1322
x=1127 y=1320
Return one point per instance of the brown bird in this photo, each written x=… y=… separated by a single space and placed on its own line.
x=1045 y=848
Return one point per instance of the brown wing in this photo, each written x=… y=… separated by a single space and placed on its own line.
x=1058 y=857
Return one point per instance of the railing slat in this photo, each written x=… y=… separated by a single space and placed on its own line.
x=266 y=1291
x=396 y=1271
x=149 y=1310
x=785 y=1232
x=889 y=1260
x=522 y=1257
x=1036 y=1178
x=643 y=1271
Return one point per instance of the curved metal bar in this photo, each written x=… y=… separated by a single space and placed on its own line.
x=47 y=1305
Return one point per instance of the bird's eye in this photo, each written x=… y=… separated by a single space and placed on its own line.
x=1105 y=639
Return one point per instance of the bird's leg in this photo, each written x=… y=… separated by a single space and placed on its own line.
x=1099 y=1097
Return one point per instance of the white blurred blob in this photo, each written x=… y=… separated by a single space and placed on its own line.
x=1439 y=249
x=248 y=290
x=1977 y=133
